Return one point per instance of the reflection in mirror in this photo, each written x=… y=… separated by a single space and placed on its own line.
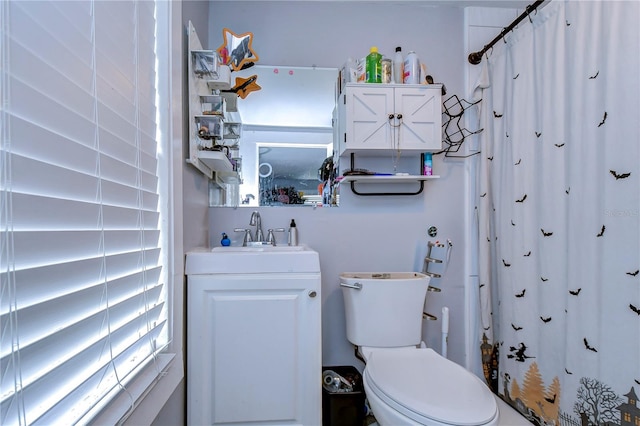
x=282 y=182
x=287 y=125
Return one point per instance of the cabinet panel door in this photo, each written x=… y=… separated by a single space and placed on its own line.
x=368 y=110
x=254 y=351
x=421 y=118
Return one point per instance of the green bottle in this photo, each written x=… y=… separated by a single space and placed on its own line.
x=374 y=66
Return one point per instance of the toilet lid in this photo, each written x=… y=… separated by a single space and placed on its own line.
x=421 y=383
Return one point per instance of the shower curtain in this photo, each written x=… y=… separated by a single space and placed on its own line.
x=559 y=212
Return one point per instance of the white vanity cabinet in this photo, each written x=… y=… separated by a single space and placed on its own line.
x=254 y=346
x=375 y=119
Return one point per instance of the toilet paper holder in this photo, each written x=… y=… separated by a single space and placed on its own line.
x=428 y=316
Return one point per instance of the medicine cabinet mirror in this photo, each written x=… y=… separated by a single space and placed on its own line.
x=287 y=134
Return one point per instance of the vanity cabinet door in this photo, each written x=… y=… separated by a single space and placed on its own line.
x=254 y=349
x=375 y=119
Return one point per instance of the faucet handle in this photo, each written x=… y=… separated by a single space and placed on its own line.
x=271 y=238
x=247 y=235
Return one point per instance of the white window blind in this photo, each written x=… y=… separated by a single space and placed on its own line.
x=82 y=297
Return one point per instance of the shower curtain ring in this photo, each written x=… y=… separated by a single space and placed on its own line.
x=529 y=12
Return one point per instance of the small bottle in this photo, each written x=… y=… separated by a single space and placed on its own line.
x=293 y=233
x=398 y=66
x=351 y=71
x=374 y=66
x=225 y=241
x=223 y=56
x=428 y=164
x=411 y=69
x=387 y=71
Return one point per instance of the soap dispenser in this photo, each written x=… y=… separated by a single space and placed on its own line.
x=293 y=233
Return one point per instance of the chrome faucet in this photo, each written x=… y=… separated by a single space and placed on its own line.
x=257 y=222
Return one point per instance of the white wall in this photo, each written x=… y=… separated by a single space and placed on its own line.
x=195 y=184
x=364 y=233
x=191 y=213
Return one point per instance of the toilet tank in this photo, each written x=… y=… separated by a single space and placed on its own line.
x=384 y=309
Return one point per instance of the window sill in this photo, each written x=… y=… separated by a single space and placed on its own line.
x=147 y=382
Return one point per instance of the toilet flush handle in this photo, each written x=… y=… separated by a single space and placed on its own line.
x=357 y=286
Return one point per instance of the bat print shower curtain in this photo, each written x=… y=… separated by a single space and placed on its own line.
x=559 y=213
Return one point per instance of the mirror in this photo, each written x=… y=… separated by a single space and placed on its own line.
x=287 y=134
x=236 y=50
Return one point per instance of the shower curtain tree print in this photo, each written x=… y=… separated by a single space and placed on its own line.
x=559 y=212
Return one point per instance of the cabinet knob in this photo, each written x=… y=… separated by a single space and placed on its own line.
x=312 y=293
x=390 y=116
x=399 y=116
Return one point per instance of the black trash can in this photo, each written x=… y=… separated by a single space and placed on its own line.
x=340 y=408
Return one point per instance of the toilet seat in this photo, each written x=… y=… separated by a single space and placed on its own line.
x=426 y=387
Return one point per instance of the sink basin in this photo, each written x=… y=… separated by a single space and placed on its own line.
x=252 y=260
x=263 y=248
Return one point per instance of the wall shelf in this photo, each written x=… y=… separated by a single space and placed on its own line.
x=216 y=160
x=394 y=179
x=386 y=179
x=213 y=134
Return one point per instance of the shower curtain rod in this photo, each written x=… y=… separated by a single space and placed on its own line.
x=476 y=57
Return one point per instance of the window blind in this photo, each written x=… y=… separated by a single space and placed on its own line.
x=82 y=296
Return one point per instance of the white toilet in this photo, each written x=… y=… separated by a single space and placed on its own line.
x=405 y=382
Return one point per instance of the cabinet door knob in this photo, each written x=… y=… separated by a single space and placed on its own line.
x=390 y=116
x=399 y=116
x=312 y=293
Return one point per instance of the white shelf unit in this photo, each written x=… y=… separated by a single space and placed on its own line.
x=209 y=107
x=376 y=120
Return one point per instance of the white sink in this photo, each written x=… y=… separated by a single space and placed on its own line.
x=263 y=248
x=252 y=260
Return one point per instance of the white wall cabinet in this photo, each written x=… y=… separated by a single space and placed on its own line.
x=374 y=119
x=254 y=349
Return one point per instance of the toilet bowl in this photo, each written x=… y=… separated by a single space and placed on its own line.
x=417 y=386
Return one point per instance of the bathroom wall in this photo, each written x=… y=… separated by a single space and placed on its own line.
x=194 y=210
x=194 y=185
x=364 y=234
